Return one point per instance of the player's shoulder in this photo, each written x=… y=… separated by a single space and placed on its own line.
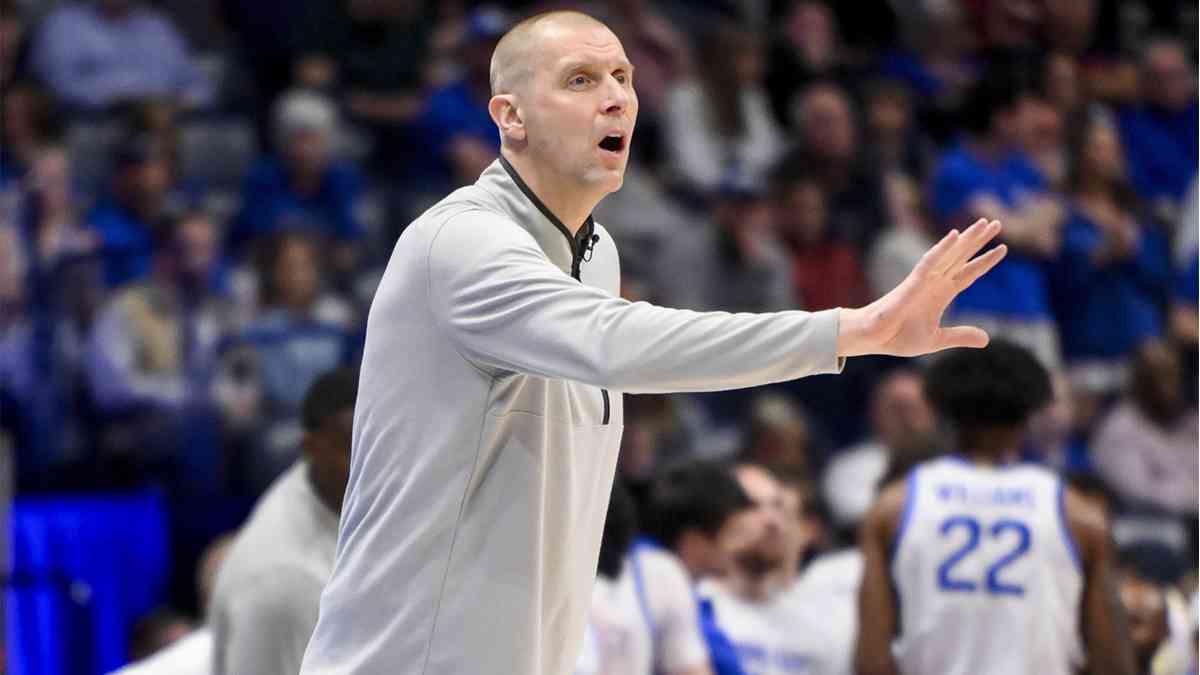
x=661 y=566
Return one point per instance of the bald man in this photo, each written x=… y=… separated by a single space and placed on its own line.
x=489 y=413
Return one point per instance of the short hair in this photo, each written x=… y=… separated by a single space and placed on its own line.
x=516 y=39
x=329 y=395
x=620 y=525
x=999 y=386
x=997 y=91
x=302 y=110
x=698 y=495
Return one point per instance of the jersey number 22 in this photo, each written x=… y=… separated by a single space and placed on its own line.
x=993 y=584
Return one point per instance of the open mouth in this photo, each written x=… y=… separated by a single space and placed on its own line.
x=613 y=143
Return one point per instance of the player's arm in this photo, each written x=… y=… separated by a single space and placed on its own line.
x=878 y=620
x=1105 y=631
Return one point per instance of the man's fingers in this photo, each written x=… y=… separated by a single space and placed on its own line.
x=980 y=266
x=973 y=240
x=936 y=257
x=962 y=336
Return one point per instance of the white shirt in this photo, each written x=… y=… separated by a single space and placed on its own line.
x=829 y=589
x=647 y=620
x=487 y=428
x=776 y=637
x=191 y=655
x=987 y=572
x=268 y=589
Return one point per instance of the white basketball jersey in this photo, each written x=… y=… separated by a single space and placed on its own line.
x=987 y=571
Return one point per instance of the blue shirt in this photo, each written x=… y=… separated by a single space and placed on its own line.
x=1187 y=282
x=1105 y=312
x=1015 y=289
x=454 y=110
x=1161 y=149
x=126 y=242
x=272 y=205
x=91 y=61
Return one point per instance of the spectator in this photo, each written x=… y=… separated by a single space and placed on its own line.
x=14 y=47
x=900 y=418
x=1146 y=448
x=736 y=263
x=892 y=137
x=1111 y=280
x=300 y=333
x=130 y=219
x=268 y=591
x=95 y=53
x=458 y=127
x=643 y=616
x=933 y=57
x=153 y=352
x=829 y=151
x=374 y=53
x=54 y=294
x=29 y=124
x=825 y=270
x=752 y=604
x=699 y=512
x=304 y=185
x=987 y=175
x=901 y=244
x=780 y=435
x=1161 y=134
x=719 y=121
x=1157 y=627
x=804 y=48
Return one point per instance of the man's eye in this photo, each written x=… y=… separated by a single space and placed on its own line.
x=621 y=78
x=578 y=80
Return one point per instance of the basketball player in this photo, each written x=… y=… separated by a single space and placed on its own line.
x=975 y=565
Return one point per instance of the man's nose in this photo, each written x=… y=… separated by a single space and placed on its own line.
x=616 y=98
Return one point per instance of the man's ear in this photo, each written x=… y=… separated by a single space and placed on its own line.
x=506 y=115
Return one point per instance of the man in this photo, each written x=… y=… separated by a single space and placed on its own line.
x=753 y=605
x=268 y=591
x=643 y=613
x=497 y=349
x=699 y=512
x=975 y=566
x=987 y=175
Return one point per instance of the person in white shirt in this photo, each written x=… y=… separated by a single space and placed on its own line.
x=497 y=351
x=644 y=616
x=268 y=591
x=773 y=633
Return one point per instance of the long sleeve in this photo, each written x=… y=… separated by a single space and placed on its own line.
x=504 y=305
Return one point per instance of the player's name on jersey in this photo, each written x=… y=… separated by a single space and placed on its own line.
x=955 y=493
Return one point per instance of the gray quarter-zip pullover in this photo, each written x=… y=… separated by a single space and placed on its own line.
x=487 y=428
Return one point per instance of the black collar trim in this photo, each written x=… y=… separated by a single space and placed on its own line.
x=577 y=244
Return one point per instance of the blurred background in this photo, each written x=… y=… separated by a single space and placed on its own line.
x=198 y=198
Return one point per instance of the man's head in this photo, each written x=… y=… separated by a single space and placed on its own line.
x=779 y=434
x=825 y=116
x=143 y=175
x=994 y=109
x=305 y=127
x=327 y=414
x=899 y=411
x=1145 y=602
x=802 y=208
x=779 y=541
x=1156 y=381
x=291 y=271
x=695 y=509
x=1168 y=78
x=988 y=391
x=563 y=99
x=195 y=247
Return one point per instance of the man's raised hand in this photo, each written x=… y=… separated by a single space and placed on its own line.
x=907 y=321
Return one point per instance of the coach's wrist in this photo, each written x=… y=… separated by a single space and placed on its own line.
x=856 y=332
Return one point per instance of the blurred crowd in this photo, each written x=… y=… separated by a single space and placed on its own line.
x=197 y=199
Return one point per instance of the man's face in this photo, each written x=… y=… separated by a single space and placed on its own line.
x=308 y=151
x=779 y=527
x=901 y=412
x=579 y=106
x=1169 y=78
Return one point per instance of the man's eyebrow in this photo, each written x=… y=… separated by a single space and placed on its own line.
x=572 y=66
